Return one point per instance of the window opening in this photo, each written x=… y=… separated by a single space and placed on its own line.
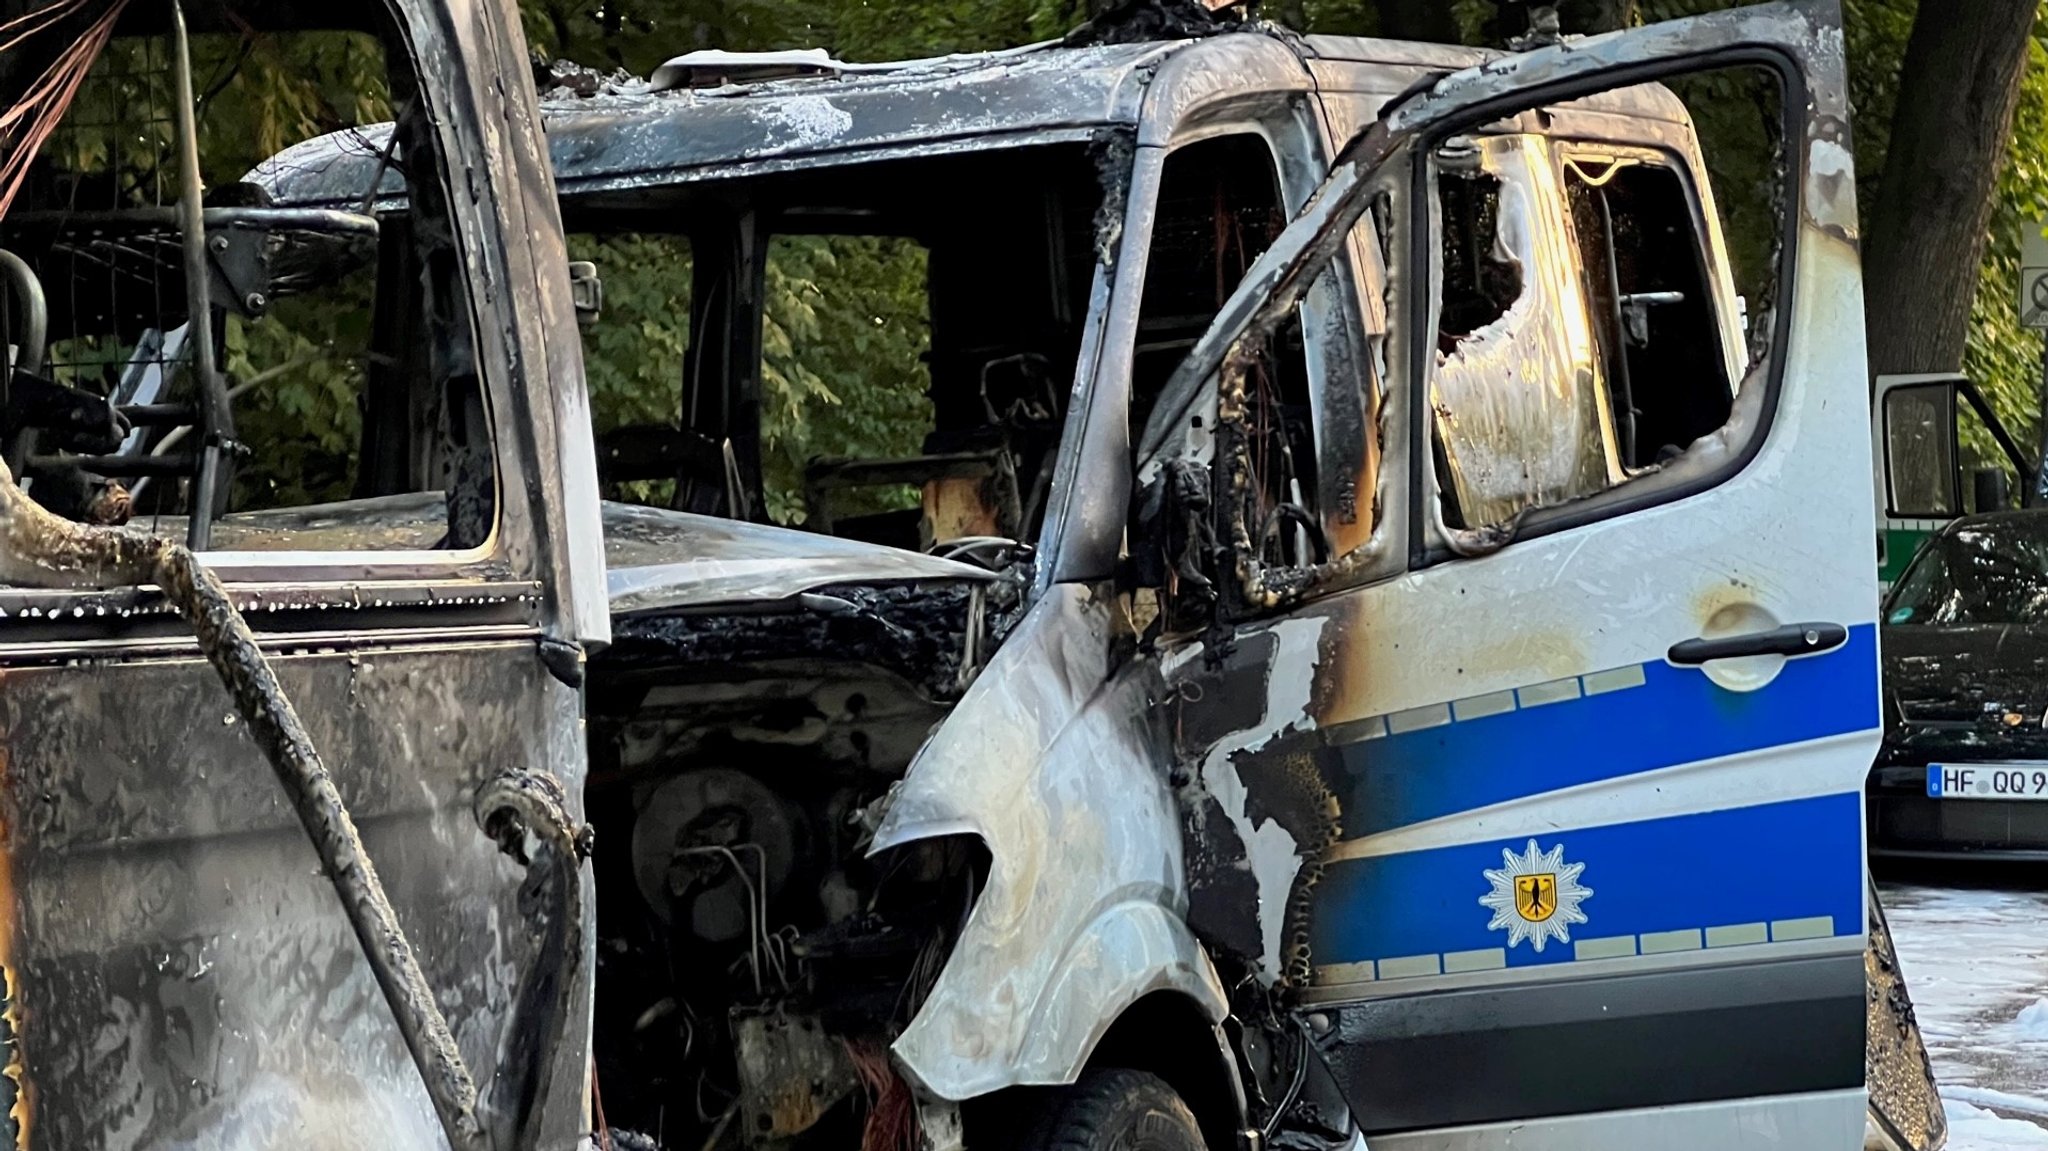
x=634 y=354
x=1480 y=281
x=1647 y=287
x=845 y=389
x=1219 y=208
x=1990 y=481
x=1920 y=425
x=867 y=353
x=322 y=322
x=355 y=416
x=1517 y=394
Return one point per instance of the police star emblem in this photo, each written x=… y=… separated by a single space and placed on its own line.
x=1536 y=896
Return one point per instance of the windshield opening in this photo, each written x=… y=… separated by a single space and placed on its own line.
x=878 y=351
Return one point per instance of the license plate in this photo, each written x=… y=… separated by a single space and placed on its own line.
x=1987 y=780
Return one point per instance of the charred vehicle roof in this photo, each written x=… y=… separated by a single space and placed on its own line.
x=626 y=134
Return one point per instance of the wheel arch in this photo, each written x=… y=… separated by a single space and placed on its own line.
x=1166 y=1033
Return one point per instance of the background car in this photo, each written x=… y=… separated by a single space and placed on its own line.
x=1964 y=767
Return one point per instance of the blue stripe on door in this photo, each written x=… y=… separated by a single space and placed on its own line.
x=1798 y=860
x=1519 y=748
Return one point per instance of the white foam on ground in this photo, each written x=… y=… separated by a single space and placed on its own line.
x=1976 y=965
x=1975 y=1129
x=2001 y=1100
x=2031 y=1023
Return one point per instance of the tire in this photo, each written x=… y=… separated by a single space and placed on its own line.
x=1116 y=1109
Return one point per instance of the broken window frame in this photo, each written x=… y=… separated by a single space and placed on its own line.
x=509 y=364
x=1344 y=376
x=1681 y=157
x=1742 y=435
x=1387 y=163
x=1295 y=149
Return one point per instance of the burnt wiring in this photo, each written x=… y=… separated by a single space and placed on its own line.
x=769 y=952
x=30 y=120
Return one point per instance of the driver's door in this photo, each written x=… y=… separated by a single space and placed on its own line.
x=1546 y=800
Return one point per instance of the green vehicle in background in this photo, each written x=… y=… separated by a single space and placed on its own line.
x=1941 y=453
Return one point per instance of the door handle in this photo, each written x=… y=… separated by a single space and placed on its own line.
x=1792 y=639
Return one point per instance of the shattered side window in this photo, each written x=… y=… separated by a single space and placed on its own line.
x=1517 y=395
x=1598 y=309
x=1219 y=209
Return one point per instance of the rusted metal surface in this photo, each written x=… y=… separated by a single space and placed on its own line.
x=791 y=1072
x=40 y=548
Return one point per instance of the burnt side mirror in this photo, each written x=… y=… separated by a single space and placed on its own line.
x=1172 y=533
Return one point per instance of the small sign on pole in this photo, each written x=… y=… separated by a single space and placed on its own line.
x=2034 y=280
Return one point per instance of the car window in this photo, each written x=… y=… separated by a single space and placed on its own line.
x=329 y=396
x=1977 y=574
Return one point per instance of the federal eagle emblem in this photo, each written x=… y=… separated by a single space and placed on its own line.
x=1536 y=896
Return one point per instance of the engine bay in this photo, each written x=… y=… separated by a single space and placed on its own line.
x=753 y=960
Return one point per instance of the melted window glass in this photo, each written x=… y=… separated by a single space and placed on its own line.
x=1517 y=396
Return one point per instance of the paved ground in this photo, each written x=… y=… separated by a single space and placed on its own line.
x=1976 y=960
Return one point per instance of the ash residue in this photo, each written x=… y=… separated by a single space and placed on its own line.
x=555 y=79
x=1112 y=150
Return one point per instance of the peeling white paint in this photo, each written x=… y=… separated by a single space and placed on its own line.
x=1271 y=853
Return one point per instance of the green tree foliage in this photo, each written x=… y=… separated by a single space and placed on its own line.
x=844 y=334
x=2004 y=358
x=304 y=361
x=846 y=316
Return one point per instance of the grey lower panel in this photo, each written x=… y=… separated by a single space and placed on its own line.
x=1822 y=1121
x=1528 y=1051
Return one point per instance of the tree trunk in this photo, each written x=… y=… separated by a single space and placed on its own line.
x=1925 y=236
x=1418 y=20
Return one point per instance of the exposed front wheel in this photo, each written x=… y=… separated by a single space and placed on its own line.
x=1116 y=1109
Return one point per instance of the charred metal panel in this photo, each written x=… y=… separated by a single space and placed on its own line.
x=1061 y=768
x=662 y=559
x=1207 y=77
x=182 y=974
x=630 y=137
x=926 y=633
x=1257 y=810
x=476 y=85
